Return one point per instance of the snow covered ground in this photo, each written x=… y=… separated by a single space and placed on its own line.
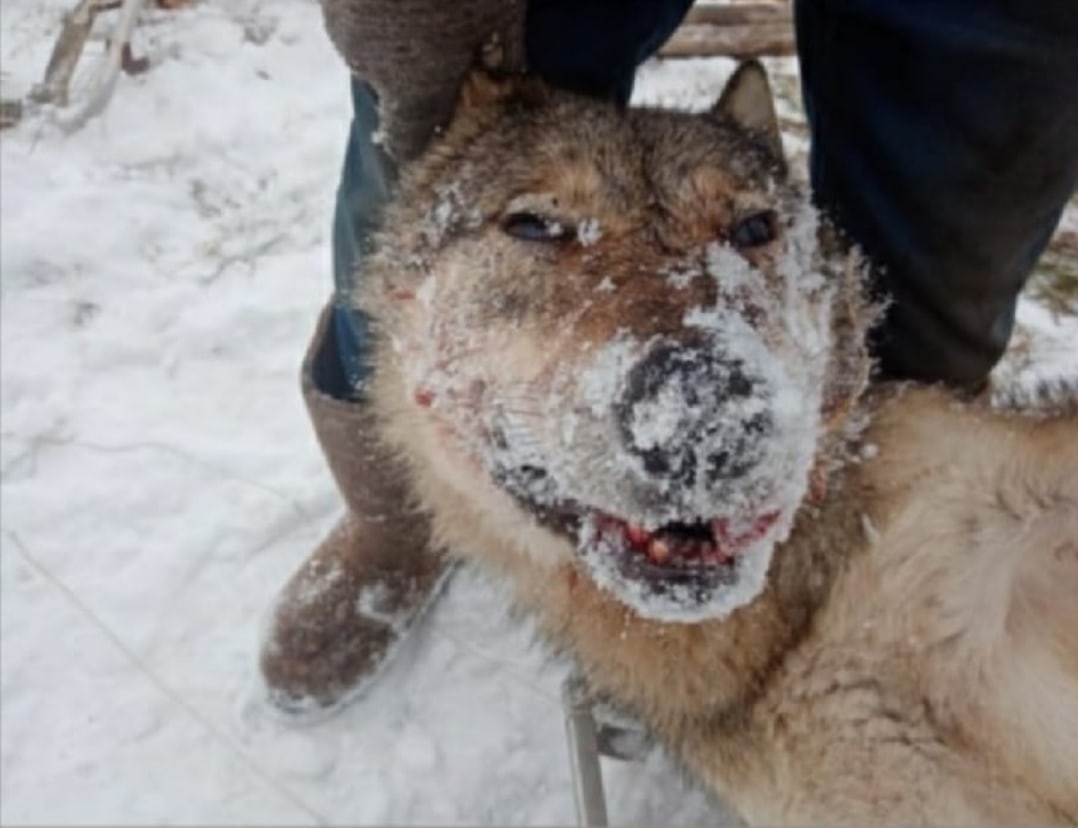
x=161 y=271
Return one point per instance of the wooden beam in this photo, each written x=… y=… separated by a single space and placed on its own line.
x=739 y=14
x=736 y=41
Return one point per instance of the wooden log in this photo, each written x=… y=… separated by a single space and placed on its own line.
x=740 y=14
x=102 y=82
x=741 y=41
x=66 y=52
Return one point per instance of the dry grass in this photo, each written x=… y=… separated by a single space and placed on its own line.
x=1055 y=281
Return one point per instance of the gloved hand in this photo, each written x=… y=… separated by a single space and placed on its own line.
x=415 y=53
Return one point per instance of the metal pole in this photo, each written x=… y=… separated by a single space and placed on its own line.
x=583 y=754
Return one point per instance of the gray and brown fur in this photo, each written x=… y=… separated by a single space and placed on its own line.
x=913 y=657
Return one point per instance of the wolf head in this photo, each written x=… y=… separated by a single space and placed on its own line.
x=612 y=334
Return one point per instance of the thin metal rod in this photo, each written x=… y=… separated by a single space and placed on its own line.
x=583 y=754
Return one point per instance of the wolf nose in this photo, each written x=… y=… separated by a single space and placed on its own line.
x=694 y=415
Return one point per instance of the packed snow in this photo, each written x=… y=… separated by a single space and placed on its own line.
x=161 y=271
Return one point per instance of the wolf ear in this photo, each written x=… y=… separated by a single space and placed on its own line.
x=485 y=89
x=497 y=77
x=747 y=101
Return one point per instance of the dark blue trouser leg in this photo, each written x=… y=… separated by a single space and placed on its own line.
x=340 y=365
x=945 y=142
x=594 y=46
x=590 y=46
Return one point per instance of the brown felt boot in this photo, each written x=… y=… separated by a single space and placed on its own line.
x=343 y=611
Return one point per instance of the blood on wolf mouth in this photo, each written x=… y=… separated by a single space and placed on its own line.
x=676 y=548
x=682 y=545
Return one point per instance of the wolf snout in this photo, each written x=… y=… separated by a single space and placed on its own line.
x=694 y=415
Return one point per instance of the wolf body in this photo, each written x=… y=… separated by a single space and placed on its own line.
x=626 y=377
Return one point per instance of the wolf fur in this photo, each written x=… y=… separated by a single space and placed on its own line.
x=911 y=655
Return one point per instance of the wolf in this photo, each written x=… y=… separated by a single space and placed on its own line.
x=627 y=369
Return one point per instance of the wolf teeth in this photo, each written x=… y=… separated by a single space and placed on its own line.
x=658 y=551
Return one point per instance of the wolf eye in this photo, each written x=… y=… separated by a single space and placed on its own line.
x=533 y=227
x=754 y=230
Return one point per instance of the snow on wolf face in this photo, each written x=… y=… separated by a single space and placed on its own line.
x=608 y=337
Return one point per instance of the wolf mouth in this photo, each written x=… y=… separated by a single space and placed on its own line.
x=696 y=550
x=693 y=557
x=681 y=572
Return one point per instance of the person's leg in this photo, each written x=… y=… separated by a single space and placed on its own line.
x=340 y=614
x=367 y=180
x=325 y=642
x=945 y=143
x=593 y=47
